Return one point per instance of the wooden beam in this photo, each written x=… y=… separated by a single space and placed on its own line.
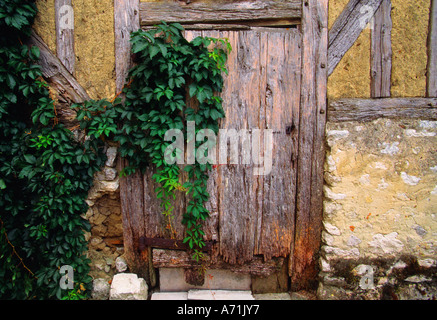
x=126 y=20
x=55 y=72
x=365 y=110
x=182 y=259
x=431 y=88
x=347 y=28
x=311 y=154
x=381 y=52
x=219 y=11
x=64 y=20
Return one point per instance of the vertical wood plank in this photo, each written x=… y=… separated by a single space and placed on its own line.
x=126 y=20
x=64 y=21
x=132 y=206
x=236 y=221
x=282 y=116
x=303 y=264
x=381 y=52
x=432 y=52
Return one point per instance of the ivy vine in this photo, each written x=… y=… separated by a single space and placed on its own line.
x=168 y=69
x=46 y=172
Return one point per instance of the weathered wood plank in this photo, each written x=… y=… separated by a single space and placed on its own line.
x=55 y=72
x=156 y=224
x=364 y=110
x=347 y=28
x=235 y=180
x=182 y=259
x=309 y=198
x=381 y=52
x=432 y=52
x=280 y=104
x=255 y=218
x=64 y=20
x=138 y=256
x=126 y=20
x=218 y=11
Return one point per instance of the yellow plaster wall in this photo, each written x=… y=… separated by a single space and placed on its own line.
x=93 y=42
x=351 y=78
x=409 y=45
x=45 y=22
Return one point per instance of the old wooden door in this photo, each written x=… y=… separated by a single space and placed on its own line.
x=277 y=81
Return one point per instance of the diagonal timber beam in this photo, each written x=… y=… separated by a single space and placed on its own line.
x=348 y=27
x=55 y=72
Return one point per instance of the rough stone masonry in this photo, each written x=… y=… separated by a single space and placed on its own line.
x=380 y=211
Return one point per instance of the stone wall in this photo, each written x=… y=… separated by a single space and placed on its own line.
x=380 y=210
x=104 y=214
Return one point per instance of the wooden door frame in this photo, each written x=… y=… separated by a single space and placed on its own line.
x=303 y=263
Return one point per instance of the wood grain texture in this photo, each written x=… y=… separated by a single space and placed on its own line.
x=64 y=20
x=365 y=110
x=181 y=259
x=347 y=28
x=432 y=52
x=126 y=20
x=201 y=11
x=381 y=52
x=309 y=198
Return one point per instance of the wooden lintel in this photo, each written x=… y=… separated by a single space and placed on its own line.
x=218 y=11
x=365 y=110
x=182 y=259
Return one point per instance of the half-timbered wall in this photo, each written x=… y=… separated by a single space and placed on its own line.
x=379 y=175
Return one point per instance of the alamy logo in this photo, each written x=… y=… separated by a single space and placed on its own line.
x=367 y=13
x=67 y=279
x=367 y=277
x=244 y=146
x=66 y=17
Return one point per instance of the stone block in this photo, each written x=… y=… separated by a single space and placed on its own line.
x=219 y=295
x=127 y=286
x=272 y=296
x=169 y=296
x=173 y=279
x=100 y=290
x=120 y=264
x=111 y=154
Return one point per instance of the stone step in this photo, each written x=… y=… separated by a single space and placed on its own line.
x=219 y=295
x=225 y=295
x=169 y=296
